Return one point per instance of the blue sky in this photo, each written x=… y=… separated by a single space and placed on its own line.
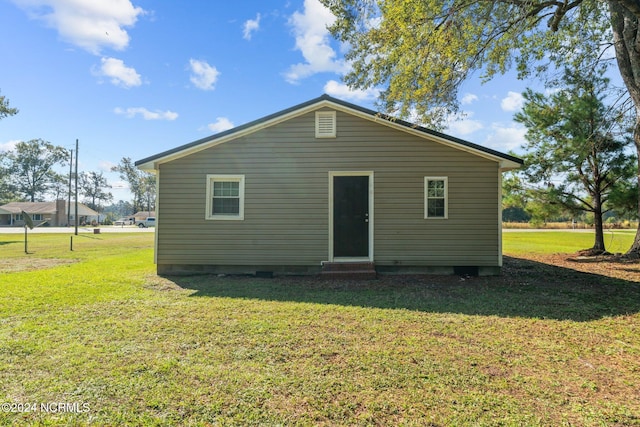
x=132 y=78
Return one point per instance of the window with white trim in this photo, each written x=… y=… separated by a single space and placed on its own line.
x=225 y=197
x=436 y=197
x=325 y=124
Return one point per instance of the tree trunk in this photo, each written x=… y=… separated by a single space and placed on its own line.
x=598 y=246
x=624 y=23
x=634 y=251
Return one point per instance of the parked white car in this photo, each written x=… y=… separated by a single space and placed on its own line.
x=125 y=221
x=149 y=222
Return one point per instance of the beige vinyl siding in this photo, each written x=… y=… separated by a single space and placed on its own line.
x=286 y=198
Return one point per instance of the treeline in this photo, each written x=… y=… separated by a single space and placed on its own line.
x=31 y=172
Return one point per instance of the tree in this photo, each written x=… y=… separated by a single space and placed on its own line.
x=421 y=51
x=119 y=209
x=572 y=135
x=624 y=200
x=7 y=190
x=5 y=110
x=142 y=184
x=92 y=187
x=59 y=186
x=30 y=165
x=514 y=198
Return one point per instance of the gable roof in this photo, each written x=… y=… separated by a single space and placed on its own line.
x=43 y=208
x=29 y=207
x=150 y=164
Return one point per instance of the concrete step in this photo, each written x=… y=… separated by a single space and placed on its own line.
x=349 y=270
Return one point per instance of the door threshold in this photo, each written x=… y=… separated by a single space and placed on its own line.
x=352 y=259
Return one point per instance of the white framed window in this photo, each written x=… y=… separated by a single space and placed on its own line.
x=37 y=217
x=225 y=197
x=325 y=124
x=436 y=197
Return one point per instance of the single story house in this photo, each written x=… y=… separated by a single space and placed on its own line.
x=142 y=215
x=54 y=214
x=328 y=182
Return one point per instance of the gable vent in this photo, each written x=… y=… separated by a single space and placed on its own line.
x=325 y=124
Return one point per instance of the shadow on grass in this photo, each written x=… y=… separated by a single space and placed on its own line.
x=525 y=289
x=89 y=237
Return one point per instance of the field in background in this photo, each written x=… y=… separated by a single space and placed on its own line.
x=622 y=225
x=96 y=329
x=558 y=241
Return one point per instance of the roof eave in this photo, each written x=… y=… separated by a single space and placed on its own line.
x=509 y=165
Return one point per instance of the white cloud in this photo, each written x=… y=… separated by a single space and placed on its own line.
x=89 y=24
x=313 y=41
x=513 y=102
x=105 y=165
x=250 y=27
x=146 y=114
x=464 y=127
x=120 y=74
x=204 y=75
x=468 y=98
x=505 y=138
x=221 y=124
x=461 y=125
x=342 y=91
x=8 y=146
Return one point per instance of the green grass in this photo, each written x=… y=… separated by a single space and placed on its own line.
x=549 y=242
x=538 y=346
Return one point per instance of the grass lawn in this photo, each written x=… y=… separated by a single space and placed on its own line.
x=547 y=242
x=96 y=330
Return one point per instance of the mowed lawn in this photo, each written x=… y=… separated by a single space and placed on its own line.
x=94 y=337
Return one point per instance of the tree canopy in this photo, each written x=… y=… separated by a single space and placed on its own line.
x=30 y=165
x=420 y=52
x=93 y=187
x=142 y=184
x=5 y=110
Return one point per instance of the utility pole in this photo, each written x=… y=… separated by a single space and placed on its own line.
x=76 y=221
x=69 y=198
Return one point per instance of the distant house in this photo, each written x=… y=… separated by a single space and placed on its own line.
x=326 y=183
x=142 y=215
x=54 y=214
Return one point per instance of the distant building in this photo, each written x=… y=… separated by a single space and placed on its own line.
x=142 y=215
x=54 y=214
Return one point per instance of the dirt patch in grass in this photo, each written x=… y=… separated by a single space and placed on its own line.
x=14 y=265
x=611 y=266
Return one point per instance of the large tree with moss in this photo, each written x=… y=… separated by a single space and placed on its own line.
x=420 y=52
